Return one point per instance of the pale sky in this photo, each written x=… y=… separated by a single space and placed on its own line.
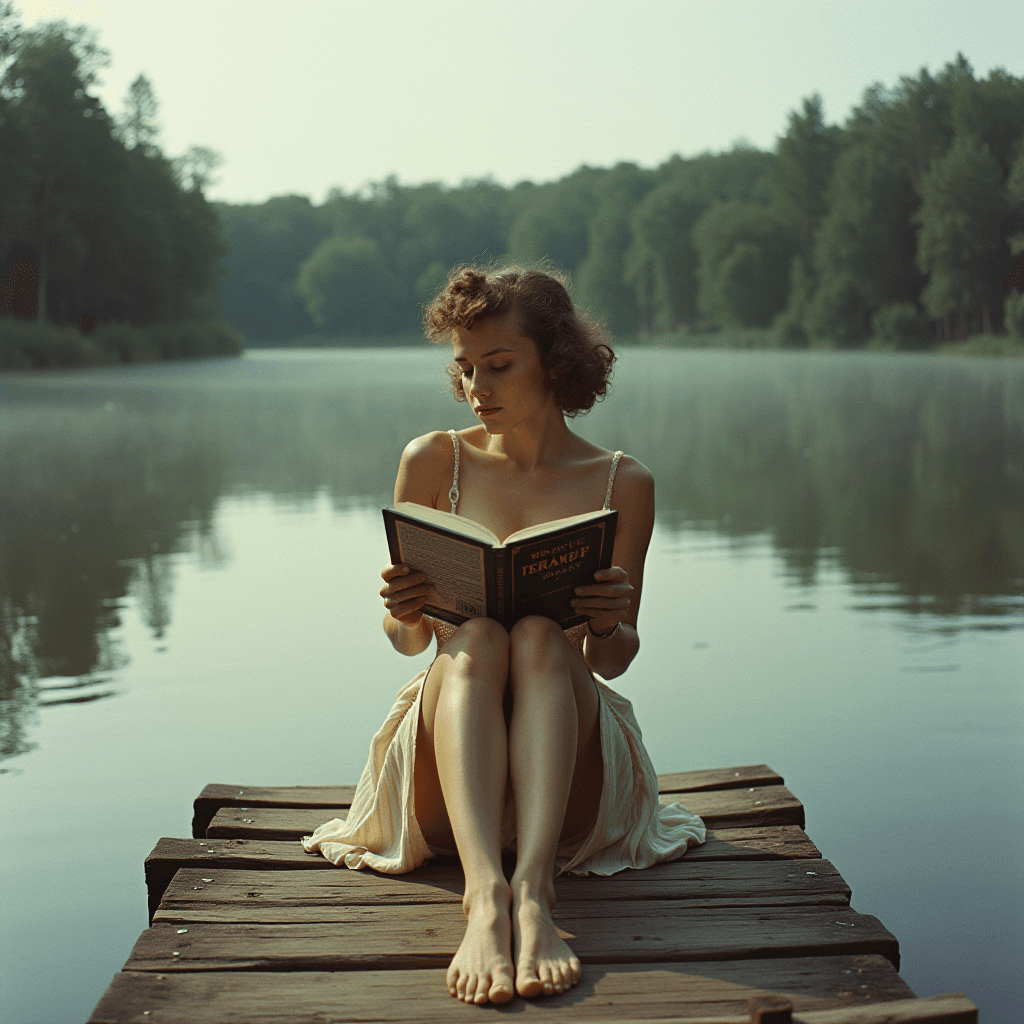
x=302 y=95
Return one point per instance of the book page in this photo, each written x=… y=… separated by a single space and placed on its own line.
x=553 y=526
x=455 y=569
x=447 y=521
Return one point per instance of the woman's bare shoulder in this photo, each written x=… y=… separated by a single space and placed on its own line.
x=634 y=485
x=427 y=448
x=634 y=470
x=426 y=463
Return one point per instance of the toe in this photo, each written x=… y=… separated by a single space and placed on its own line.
x=557 y=981
x=546 y=981
x=558 y=976
x=500 y=992
x=527 y=982
x=576 y=970
x=501 y=987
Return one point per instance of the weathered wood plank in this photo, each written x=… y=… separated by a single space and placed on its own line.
x=717 y=990
x=208 y=894
x=772 y=842
x=950 y=1008
x=414 y=937
x=218 y=795
x=719 y=778
x=742 y=808
x=758 y=842
x=723 y=808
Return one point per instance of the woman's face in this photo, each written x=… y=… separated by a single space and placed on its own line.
x=502 y=375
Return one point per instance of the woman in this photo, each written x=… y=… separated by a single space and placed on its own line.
x=508 y=740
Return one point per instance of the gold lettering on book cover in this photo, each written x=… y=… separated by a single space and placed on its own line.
x=556 y=560
x=455 y=569
x=553 y=563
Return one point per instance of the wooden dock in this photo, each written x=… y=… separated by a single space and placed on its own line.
x=752 y=926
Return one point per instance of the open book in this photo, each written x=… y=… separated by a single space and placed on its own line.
x=534 y=572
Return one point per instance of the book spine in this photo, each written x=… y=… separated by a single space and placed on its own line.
x=392 y=535
x=503 y=587
x=495 y=574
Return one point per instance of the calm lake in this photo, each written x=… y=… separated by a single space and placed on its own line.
x=189 y=560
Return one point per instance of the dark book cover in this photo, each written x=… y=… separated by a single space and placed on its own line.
x=474 y=578
x=542 y=573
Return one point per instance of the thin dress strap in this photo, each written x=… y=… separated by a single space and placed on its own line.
x=453 y=492
x=611 y=480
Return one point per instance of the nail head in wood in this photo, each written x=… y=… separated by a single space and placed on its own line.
x=770 y=1010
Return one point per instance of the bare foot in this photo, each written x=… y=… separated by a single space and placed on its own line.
x=481 y=970
x=545 y=965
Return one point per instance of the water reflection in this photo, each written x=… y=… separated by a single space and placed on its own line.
x=906 y=474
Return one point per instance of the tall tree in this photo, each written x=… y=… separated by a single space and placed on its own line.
x=138 y=125
x=1015 y=190
x=348 y=286
x=195 y=168
x=864 y=247
x=601 y=283
x=745 y=253
x=743 y=172
x=15 y=142
x=71 y=160
x=550 y=221
x=962 y=244
x=662 y=262
x=910 y=122
x=803 y=168
x=991 y=109
x=267 y=242
x=1015 y=182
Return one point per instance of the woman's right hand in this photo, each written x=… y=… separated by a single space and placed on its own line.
x=404 y=592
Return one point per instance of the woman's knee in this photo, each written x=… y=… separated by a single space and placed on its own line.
x=537 y=644
x=482 y=634
x=475 y=658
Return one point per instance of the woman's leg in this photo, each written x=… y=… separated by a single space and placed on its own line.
x=554 y=757
x=461 y=773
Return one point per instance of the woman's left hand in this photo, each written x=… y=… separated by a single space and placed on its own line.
x=606 y=601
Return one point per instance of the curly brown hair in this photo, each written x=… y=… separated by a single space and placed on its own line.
x=573 y=349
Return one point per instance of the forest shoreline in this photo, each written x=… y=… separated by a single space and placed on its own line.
x=741 y=339
x=34 y=347
x=31 y=345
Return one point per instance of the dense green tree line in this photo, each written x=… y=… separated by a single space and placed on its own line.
x=98 y=228
x=901 y=225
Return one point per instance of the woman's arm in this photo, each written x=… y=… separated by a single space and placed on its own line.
x=615 y=594
x=424 y=463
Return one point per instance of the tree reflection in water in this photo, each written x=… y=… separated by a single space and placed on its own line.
x=906 y=473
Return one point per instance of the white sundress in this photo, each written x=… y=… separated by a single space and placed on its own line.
x=631 y=830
